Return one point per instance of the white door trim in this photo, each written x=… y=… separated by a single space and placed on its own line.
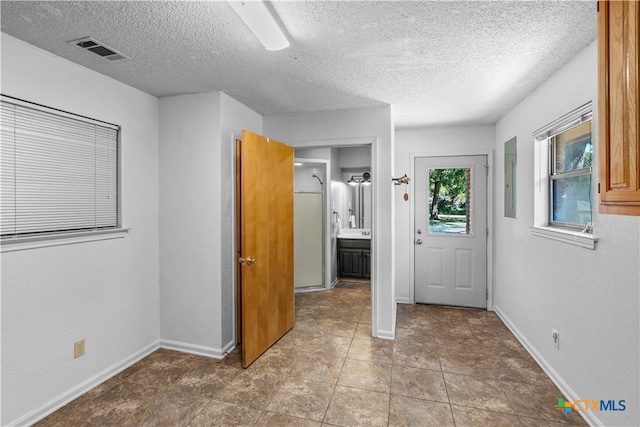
x=480 y=152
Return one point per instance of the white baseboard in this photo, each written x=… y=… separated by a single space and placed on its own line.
x=571 y=395
x=386 y=335
x=77 y=391
x=403 y=300
x=200 y=350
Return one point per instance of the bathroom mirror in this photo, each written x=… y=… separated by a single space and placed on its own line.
x=358 y=192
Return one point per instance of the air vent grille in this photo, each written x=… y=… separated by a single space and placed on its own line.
x=100 y=49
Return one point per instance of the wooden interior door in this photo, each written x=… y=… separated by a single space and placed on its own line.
x=265 y=243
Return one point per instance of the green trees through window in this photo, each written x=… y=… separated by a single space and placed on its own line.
x=449 y=200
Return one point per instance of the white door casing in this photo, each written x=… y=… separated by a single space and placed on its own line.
x=451 y=268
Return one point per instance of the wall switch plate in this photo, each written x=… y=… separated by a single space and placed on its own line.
x=78 y=348
x=555 y=335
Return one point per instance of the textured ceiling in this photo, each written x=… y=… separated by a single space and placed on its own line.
x=436 y=62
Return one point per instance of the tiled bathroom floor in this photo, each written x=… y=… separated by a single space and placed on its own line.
x=446 y=367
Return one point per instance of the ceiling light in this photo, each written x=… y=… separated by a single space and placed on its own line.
x=261 y=23
x=298 y=164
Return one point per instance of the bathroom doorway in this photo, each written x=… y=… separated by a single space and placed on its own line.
x=310 y=214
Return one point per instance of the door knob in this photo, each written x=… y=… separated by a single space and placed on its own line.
x=248 y=260
x=419 y=242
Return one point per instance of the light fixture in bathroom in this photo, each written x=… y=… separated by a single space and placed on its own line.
x=364 y=179
x=298 y=164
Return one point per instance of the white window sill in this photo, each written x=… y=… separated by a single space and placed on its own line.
x=577 y=238
x=44 y=241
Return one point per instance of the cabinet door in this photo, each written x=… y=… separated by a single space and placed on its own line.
x=366 y=264
x=350 y=262
x=619 y=149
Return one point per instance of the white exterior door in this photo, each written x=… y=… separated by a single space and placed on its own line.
x=451 y=240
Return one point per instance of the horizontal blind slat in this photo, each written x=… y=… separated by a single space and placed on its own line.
x=58 y=173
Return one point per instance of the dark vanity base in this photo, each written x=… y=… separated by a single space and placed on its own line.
x=354 y=258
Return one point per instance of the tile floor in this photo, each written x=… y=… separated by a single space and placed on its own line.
x=446 y=367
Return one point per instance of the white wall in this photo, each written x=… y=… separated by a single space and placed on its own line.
x=103 y=291
x=355 y=157
x=303 y=180
x=426 y=141
x=190 y=252
x=334 y=128
x=197 y=186
x=589 y=296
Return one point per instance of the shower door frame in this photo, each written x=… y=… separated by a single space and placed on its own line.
x=326 y=225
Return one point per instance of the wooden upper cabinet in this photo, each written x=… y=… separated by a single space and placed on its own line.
x=618 y=119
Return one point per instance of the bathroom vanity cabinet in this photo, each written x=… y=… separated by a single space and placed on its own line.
x=354 y=258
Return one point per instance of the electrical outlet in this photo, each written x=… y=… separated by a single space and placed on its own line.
x=78 y=348
x=555 y=335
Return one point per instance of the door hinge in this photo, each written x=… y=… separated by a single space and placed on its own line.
x=598 y=188
x=487 y=232
x=487 y=294
x=486 y=167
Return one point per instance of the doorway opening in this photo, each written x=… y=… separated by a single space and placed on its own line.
x=335 y=214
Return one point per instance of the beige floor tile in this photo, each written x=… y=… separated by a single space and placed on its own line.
x=520 y=369
x=173 y=408
x=409 y=412
x=416 y=354
x=365 y=375
x=473 y=417
x=271 y=419
x=371 y=350
x=275 y=361
x=218 y=413
x=536 y=422
x=363 y=331
x=418 y=383
x=125 y=403
x=365 y=316
x=205 y=381
x=302 y=398
x=537 y=401
x=251 y=390
x=317 y=367
x=355 y=407
x=329 y=368
x=481 y=393
x=469 y=362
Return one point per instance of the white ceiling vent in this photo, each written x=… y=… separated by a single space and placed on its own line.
x=100 y=49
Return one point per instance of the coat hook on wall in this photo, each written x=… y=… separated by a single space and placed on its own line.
x=402 y=180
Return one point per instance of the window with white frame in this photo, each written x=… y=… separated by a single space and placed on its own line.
x=570 y=176
x=59 y=172
x=563 y=157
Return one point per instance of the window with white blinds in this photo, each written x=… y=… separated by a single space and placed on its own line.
x=59 y=172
